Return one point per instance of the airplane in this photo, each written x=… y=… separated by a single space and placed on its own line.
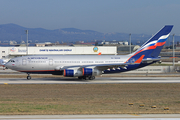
x=2 y=62
x=88 y=66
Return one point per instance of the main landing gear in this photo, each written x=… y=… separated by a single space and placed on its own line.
x=28 y=77
x=87 y=77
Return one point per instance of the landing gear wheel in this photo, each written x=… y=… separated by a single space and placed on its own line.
x=28 y=77
x=86 y=78
x=91 y=77
x=80 y=78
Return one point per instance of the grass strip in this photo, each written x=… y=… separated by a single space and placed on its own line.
x=63 y=99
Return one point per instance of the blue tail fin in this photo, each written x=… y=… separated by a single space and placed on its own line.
x=153 y=47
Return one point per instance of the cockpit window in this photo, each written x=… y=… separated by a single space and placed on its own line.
x=11 y=61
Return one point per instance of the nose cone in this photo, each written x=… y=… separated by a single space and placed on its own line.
x=7 y=65
x=10 y=65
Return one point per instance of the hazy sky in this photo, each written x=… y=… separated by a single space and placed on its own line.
x=126 y=16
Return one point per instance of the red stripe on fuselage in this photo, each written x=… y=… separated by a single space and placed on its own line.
x=38 y=71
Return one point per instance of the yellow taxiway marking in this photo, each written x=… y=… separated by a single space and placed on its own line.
x=6 y=83
x=134 y=114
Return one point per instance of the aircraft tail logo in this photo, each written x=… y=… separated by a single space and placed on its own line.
x=153 y=47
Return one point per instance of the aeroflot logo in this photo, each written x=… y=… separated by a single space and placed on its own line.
x=13 y=49
x=95 y=49
x=37 y=57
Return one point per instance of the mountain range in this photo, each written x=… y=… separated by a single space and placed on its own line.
x=17 y=33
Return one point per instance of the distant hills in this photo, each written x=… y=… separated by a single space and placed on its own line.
x=17 y=33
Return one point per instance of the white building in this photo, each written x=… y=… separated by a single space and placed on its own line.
x=11 y=52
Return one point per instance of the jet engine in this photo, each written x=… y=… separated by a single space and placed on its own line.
x=72 y=73
x=91 y=72
x=78 y=72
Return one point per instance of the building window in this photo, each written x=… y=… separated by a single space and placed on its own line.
x=3 y=56
x=3 y=51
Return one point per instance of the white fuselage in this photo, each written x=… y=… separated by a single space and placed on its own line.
x=55 y=62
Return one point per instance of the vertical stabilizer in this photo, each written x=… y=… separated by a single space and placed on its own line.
x=153 y=47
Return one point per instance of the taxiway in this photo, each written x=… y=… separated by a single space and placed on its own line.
x=98 y=80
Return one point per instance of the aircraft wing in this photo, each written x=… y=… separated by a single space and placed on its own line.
x=98 y=66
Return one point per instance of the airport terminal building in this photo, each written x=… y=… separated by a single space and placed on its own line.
x=11 y=52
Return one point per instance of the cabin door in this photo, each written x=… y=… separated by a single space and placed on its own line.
x=24 y=62
x=50 y=62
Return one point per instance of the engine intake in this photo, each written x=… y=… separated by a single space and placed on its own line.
x=72 y=73
x=91 y=72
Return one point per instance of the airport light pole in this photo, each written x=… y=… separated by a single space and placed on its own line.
x=27 y=43
x=173 y=51
x=130 y=43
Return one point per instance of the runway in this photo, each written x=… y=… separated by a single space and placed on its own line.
x=98 y=80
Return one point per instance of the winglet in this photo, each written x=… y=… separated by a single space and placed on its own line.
x=140 y=59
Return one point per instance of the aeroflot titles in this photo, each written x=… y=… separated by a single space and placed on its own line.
x=37 y=57
x=47 y=57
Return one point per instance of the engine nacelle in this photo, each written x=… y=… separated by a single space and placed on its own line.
x=72 y=73
x=91 y=72
x=78 y=72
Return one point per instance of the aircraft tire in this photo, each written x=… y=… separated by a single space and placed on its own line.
x=28 y=77
x=86 y=78
x=91 y=77
x=80 y=77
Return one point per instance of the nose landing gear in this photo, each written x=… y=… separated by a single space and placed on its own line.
x=28 y=77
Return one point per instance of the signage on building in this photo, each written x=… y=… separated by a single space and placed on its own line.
x=95 y=49
x=46 y=50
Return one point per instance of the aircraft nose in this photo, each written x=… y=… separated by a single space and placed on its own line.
x=8 y=65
